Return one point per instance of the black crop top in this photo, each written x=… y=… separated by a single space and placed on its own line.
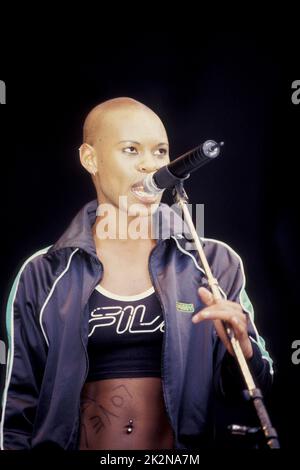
x=125 y=335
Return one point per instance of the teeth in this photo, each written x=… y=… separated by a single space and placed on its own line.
x=138 y=187
x=143 y=194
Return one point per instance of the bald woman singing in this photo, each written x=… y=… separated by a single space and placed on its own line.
x=111 y=340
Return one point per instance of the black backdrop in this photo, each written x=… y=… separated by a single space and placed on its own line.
x=233 y=87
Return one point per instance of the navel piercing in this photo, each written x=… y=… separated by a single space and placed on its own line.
x=129 y=426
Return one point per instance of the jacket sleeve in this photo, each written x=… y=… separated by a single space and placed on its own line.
x=24 y=367
x=228 y=377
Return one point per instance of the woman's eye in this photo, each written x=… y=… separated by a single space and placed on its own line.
x=132 y=150
x=161 y=152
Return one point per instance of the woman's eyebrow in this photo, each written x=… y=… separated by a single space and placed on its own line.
x=138 y=143
x=126 y=141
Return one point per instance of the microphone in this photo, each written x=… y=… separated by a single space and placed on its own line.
x=180 y=168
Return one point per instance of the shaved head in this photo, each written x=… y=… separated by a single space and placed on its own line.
x=122 y=141
x=95 y=120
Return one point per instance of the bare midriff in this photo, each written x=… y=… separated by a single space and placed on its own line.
x=124 y=413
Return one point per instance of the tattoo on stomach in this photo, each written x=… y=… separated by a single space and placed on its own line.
x=105 y=414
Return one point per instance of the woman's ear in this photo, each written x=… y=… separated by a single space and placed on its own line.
x=88 y=158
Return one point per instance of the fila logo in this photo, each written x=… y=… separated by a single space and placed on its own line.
x=130 y=319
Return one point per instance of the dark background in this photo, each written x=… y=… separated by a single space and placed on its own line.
x=234 y=87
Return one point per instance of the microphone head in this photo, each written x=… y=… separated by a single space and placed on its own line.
x=180 y=168
x=212 y=149
x=150 y=186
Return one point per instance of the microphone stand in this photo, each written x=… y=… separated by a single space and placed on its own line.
x=224 y=331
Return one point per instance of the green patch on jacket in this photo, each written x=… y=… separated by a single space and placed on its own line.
x=184 y=307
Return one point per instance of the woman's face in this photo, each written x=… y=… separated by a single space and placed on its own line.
x=130 y=143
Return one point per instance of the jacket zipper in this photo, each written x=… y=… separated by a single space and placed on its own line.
x=163 y=345
x=85 y=351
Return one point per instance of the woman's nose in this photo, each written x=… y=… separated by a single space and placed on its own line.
x=147 y=165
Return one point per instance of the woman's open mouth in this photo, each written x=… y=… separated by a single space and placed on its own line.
x=138 y=190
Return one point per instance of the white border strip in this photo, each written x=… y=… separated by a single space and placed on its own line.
x=125 y=298
x=196 y=263
x=250 y=314
x=10 y=353
x=51 y=292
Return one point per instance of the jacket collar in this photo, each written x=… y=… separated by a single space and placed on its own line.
x=165 y=224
